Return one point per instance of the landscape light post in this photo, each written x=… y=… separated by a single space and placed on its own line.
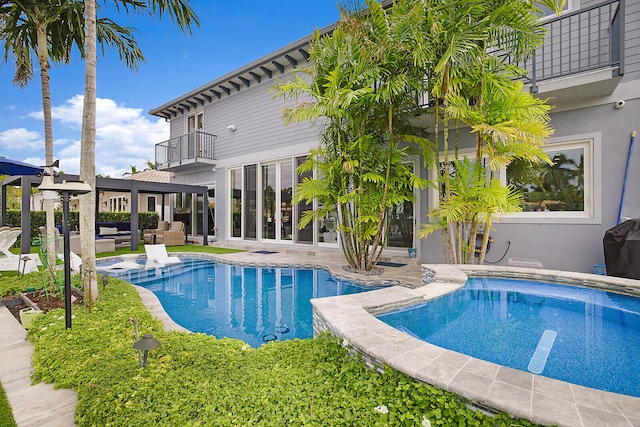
x=65 y=189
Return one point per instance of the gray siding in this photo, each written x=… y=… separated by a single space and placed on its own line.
x=259 y=125
x=177 y=127
x=632 y=40
x=570 y=246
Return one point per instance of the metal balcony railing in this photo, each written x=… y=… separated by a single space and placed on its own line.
x=588 y=39
x=576 y=42
x=191 y=148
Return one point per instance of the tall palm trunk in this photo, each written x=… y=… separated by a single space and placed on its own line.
x=87 y=157
x=43 y=60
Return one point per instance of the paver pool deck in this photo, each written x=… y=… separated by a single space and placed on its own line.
x=537 y=398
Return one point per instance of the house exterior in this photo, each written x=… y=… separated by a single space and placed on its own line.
x=117 y=201
x=228 y=135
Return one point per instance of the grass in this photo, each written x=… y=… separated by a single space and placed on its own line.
x=6 y=416
x=140 y=250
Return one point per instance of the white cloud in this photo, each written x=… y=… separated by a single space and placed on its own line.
x=124 y=136
x=21 y=139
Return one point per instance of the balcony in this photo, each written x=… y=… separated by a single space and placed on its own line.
x=195 y=150
x=582 y=55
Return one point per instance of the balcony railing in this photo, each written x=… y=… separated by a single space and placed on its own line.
x=576 y=42
x=194 y=147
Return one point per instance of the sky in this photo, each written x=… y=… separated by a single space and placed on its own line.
x=231 y=34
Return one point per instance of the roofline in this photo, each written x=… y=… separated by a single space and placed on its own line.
x=298 y=44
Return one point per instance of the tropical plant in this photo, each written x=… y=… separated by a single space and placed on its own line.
x=184 y=17
x=51 y=29
x=134 y=170
x=465 y=59
x=360 y=84
x=509 y=124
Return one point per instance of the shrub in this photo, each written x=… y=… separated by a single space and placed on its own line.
x=38 y=219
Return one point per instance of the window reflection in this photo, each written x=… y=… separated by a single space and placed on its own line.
x=551 y=188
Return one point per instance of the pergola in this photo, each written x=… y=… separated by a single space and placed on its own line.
x=132 y=186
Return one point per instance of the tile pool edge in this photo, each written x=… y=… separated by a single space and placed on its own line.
x=536 y=398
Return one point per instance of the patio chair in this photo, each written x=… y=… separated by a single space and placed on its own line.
x=157 y=256
x=10 y=261
x=174 y=236
x=8 y=237
x=149 y=235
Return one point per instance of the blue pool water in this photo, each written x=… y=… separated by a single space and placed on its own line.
x=583 y=336
x=256 y=305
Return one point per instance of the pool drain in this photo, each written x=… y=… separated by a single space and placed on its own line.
x=269 y=338
x=282 y=329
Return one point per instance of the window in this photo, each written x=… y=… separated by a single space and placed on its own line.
x=118 y=204
x=269 y=201
x=547 y=13
x=195 y=125
x=562 y=193
x=286 y=194
x=250 y=202
x=304 y=235
x=561 y=190
x=236 y=202
x=151 y=203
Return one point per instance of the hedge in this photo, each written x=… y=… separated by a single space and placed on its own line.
x=38 y=219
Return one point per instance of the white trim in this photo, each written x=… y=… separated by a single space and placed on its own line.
x=571 y=5
x=592 y=183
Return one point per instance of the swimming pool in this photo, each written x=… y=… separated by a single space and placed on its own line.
x=583 y=336
x=256 y=305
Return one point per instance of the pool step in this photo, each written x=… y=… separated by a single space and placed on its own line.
x=539 y=359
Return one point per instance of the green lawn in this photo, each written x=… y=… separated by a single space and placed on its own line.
x=6 y=416
x=140 y=250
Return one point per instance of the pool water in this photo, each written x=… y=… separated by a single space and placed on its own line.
x=583 y=336
x=256 y=305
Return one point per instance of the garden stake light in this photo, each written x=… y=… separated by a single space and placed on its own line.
x=145 y=344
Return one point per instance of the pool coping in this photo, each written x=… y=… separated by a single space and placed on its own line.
x=486 y=385
x=537 y=398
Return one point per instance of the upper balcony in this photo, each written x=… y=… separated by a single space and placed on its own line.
x=582 y=55
x=193 y=150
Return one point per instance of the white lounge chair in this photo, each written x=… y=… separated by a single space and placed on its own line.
x=157 y=256
x=8 y=237
x=9 y=261
x=74 y=261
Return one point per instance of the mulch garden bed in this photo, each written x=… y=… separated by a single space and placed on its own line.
x=40 y=298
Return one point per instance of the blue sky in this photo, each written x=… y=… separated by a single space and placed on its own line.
x=231 y=35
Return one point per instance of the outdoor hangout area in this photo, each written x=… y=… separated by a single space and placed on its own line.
x=411 y=213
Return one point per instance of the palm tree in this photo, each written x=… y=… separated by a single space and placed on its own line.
x=87 y=157
x=50 y=29
x=184 y=17
x=362 y=82
x=457 y=40
x=134 y=170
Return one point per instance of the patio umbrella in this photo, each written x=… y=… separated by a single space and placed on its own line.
x=15 y=167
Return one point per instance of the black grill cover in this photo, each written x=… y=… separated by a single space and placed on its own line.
x=622 y=249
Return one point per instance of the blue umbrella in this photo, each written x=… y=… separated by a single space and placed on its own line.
x=15 y=167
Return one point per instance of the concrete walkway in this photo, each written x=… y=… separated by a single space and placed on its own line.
x=32 y=405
